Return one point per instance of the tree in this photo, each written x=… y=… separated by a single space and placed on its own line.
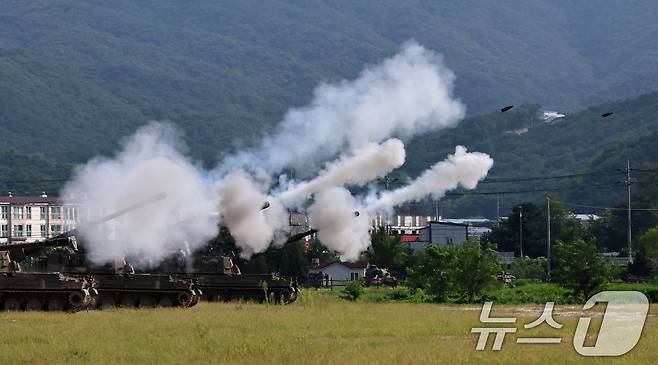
x=580 y=268
x=433 y=270
x=527 y=268
x=475 y=270
x=461 y=272
x=611 y=230
x=646 y=254
x=316 y=250
x=292 y=261
x=386 y=251
x=564 y=226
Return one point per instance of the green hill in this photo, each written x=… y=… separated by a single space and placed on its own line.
x=76 y=76
x=580 y=142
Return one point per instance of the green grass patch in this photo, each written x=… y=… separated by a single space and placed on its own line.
x=320 y=328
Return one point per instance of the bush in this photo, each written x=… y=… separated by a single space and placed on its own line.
x=352 y=291
x=650 y=290
x=528 y=268
x=459 y=273
x=538 y=293
x=580 y=268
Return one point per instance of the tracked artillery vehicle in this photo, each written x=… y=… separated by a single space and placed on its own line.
x=50 y=291
x=116 y=285
x=219 y=279
x=119 y=285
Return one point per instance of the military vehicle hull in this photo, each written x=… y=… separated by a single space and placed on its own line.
x=144 y=291
x=122 y=287
x=220 y=287
x=21 y=291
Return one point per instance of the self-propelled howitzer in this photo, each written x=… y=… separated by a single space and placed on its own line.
x=37 y=291
x=115 y=285
x=220 y=279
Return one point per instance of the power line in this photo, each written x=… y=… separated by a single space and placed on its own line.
x=608 y=208
x=32 y=181
x=491 y=180
x=508 y=192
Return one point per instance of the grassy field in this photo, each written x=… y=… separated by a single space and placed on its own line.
x=317 y=329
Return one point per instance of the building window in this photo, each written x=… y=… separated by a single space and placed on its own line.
x=70 y=213
x=43 y=212
x=18 y=212
x=28 y=212
x=18 y=230
x=5 y=212
x=4 y=232
x=28 y=230
x=43 y=230
x=354 y=276
x=56 y=213
x=56 y=229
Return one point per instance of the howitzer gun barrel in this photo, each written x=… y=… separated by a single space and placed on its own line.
x=152 y=199
x=62 y=239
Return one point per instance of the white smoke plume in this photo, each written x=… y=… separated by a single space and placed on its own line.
x=333 y=215
x=462 y=168
x=365 y=165
x=549 y=116
x=404 y=95
x=149 y=163
x=241 y=202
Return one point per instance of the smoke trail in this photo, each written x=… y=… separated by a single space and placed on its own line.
x=462 y=168
x=404 y=95
x=366 y=164
x=150 y=162
x=241 y=200
x=332 y=214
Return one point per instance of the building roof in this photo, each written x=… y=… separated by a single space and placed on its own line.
x=447 y=223
x=350 y=265
x=22 y=200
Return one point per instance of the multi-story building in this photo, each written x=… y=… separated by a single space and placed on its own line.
x=33 y=218
x=401 y=224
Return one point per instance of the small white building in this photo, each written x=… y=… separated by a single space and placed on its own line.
x=340 y=271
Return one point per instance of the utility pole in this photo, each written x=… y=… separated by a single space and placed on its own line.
x=628 y=187
x=548 y=238
x=521 y=228
x=497 y=209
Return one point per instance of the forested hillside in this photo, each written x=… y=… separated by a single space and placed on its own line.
x=75 y=75
x=582 y=142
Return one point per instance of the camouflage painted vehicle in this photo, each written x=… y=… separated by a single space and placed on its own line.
x=42 y=291
x=219 y=279
x=116 y=285
x=120 y=286
x=376 y=276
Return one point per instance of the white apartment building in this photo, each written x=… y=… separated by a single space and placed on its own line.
x=33 y=218
x=401 y=224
